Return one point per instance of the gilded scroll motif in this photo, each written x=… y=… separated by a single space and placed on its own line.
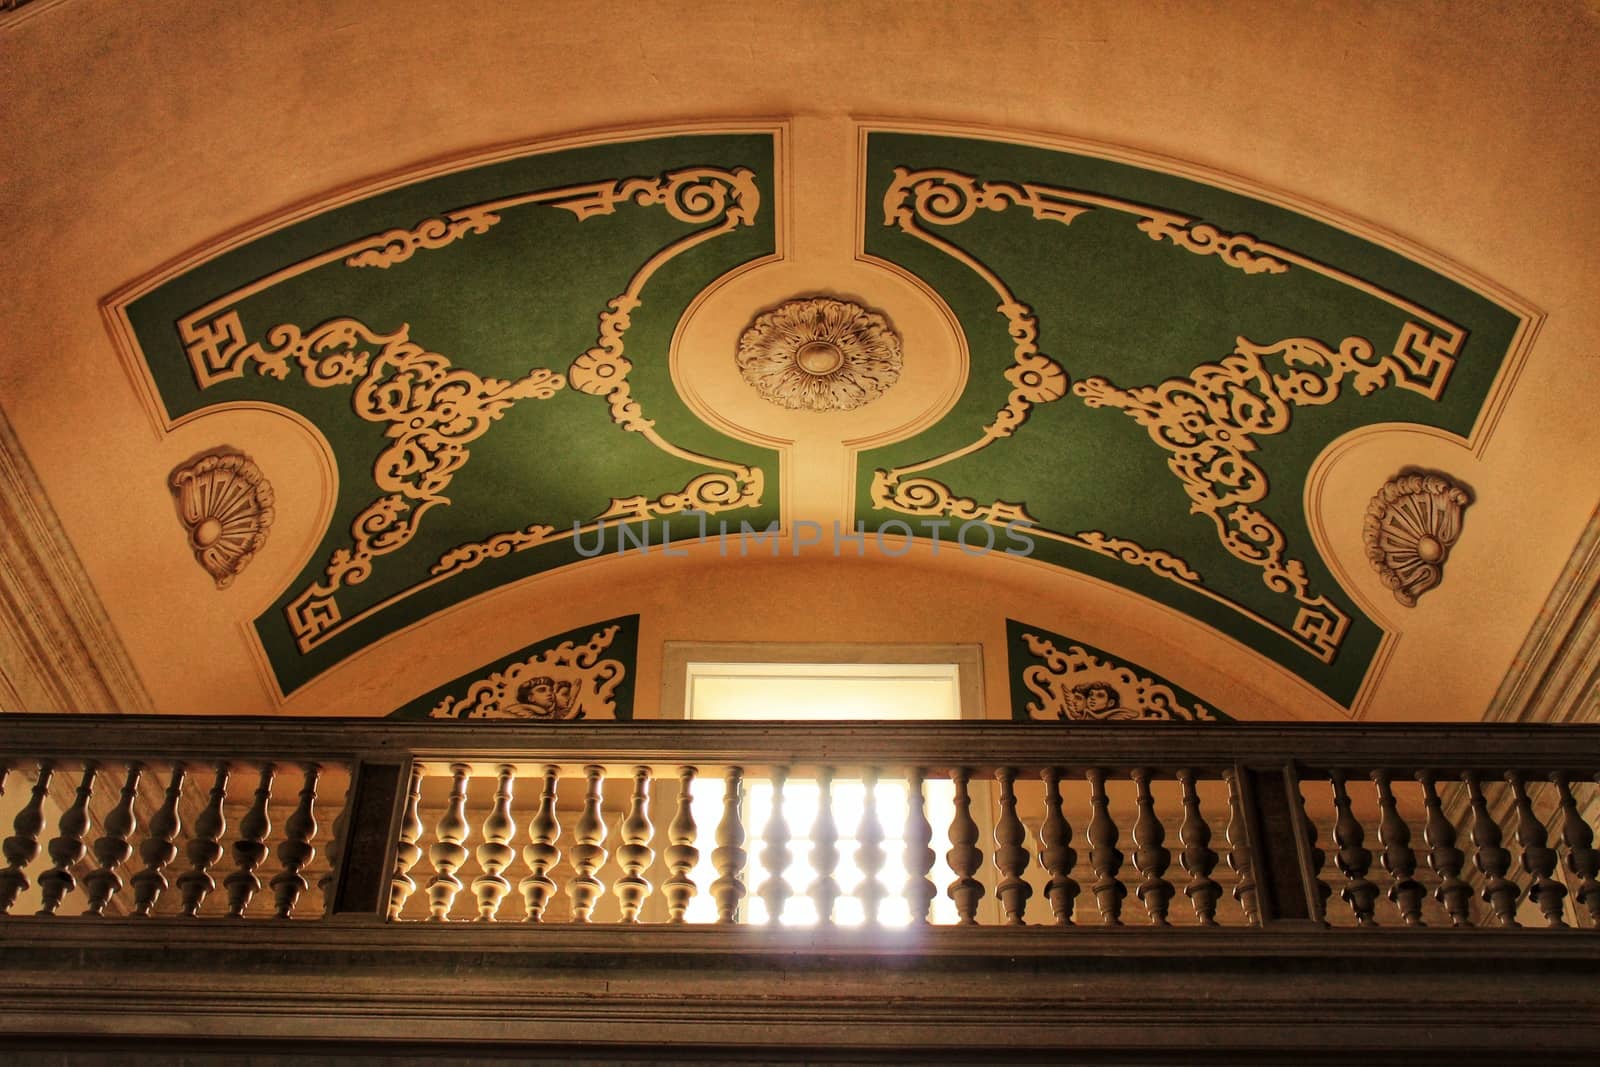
x=569 y=682
x=1162 y=563
x=819 y=354
x=1207 y=421
x=1077 y=685
x=225 y=503
x=396 y=246
x=1210 y=422
x=1411 y=524
x=727 y=198
x=434 y=410
x=219 y=348
x=1238 y=250
x=945 y=198
x=924 y=496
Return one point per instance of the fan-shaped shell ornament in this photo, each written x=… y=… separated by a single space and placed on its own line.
x=1409 y=529
x=820 y=354
x=226 y=505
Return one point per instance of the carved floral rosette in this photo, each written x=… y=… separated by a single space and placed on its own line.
x=566 y=683
x=1409 y=529
x=1078 y=686
x=225 y=503
x=820 y=354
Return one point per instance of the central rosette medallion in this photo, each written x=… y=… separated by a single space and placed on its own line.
x=820 y=354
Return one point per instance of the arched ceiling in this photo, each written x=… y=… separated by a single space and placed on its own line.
x=1148 y=372
x=1171 y=391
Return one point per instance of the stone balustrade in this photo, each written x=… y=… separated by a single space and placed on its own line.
x=800 y=823
x=955 y=885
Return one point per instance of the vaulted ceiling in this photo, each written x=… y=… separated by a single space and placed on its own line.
x=1271 y=387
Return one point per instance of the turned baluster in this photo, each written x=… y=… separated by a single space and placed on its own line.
x=825 y=850
x=295 y=851
x=157 y=849
x=635 y=855
x=406 y=850
x=1010 y=857
x=327 y=884
x=67 y=848
x=1583 y=860
x=1056 y=854
x=1443 y=855
x=588 y=851
x=729 y=856
x=1103 y=853
x=251 y=848
x=1398 y=858
x=1491 y=859
x=22 y=847
x=113 y=848
x=964 y=857
x=1150 y=858
x=495 y=853
x=540 y=853
x=919 y=857
x=1538 y=858
x=1197 y=857
x=775 y=856
x=681 y=853
x=447 y=853
x=869 y=853
x=1238 y=838
x=205 y=847
x=1353 y=860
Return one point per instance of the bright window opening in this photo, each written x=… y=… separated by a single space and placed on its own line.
x=825 y=691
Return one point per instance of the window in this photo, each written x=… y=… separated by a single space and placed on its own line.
x=848 y=687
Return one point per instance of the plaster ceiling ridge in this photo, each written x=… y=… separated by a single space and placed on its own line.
x=52 y=623
x=10 y=18
x=1555 y=676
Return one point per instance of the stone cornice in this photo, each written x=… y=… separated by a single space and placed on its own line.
x=1555 y=677
x=58 y=650
x=471 y=988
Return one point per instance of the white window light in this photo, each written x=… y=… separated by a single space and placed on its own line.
x=824 y=692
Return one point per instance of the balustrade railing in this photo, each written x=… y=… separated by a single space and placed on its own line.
x=888 y=825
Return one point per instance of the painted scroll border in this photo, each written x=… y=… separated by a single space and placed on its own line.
x=1530 y=319
x=114 y=314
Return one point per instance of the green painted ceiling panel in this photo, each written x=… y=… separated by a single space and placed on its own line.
x=459 y=342
x=1206 y=347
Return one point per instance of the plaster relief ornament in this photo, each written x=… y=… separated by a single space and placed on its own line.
x=1077 y=686
x=1409 y=529
x=226 y=505
x=569 y=682
x=820 y=354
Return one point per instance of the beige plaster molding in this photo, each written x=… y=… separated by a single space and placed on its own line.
x=1556 y=674
x=819 y=354
x=1411 y=524
x=58 y=651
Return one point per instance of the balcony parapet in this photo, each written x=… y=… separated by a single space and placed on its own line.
x=506 y=882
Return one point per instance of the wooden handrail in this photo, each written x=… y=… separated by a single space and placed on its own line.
x=1359 y=748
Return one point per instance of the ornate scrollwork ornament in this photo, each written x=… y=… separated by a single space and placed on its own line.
x=820 y=354
x=225 y=503
x=565 y=683
x=1409 y=529
x=1078 y=686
